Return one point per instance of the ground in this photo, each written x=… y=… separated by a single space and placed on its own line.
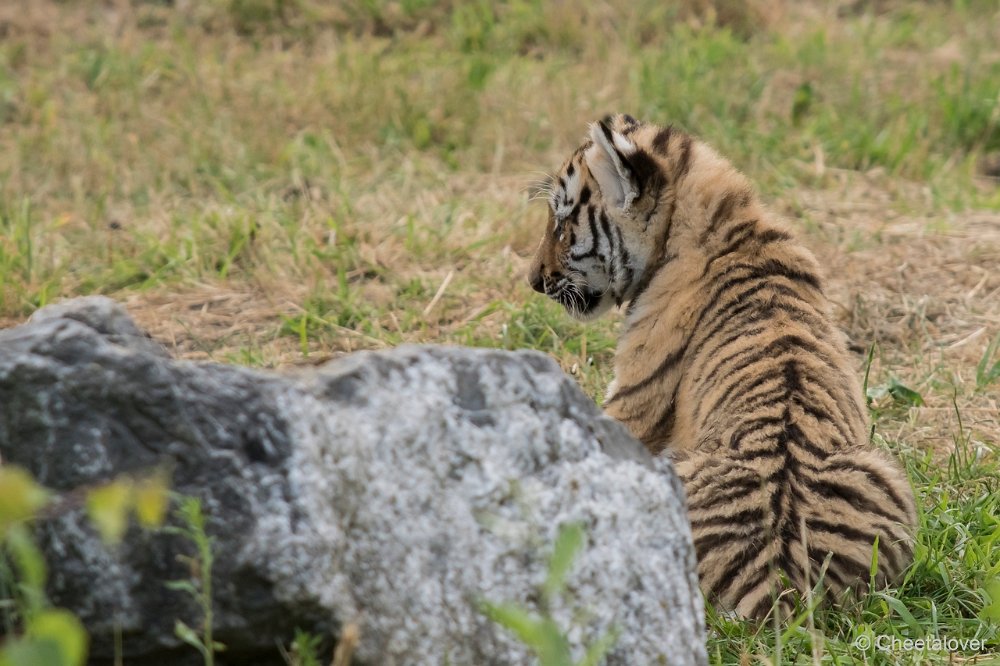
x=277 y=182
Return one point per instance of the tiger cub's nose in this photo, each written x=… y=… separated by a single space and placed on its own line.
x=537 y=283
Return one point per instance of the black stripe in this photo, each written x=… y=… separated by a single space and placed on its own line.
x=773 y=349
x=662 y=139
x=876 y=478
x=593 y=238
x=793 y=380
x=744 y=235
x=822 y=415
x=840 y=530
x=738 y=228
x=651 y=213
x=726 y=315
x=749 y=402
x=780 y=490
x=709 y=542
x=748 y=313
x=832 y=489
x=606 y=129
x=625 y=255
x=714 y=473
x=713 y=299
x=761 y=607
x=606 y=228
x=624 y=258
x=748 y=516
x=684 y=162
x=797 y=437
x=647 y=173
x=666 y=364
x=612 y=248
x=752 y=426
x=571 y=217
x=849 y=569
x=741 y=562
x=724 y=210
x=653 y=270
x=723 y=495
x=832 y=572
x=729 y=249
x=740 y=334
x=772 y=236
x=665 y=423
x=766 y=450
x=774 y=267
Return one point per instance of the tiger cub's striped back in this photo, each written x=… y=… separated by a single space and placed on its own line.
x=728 y=362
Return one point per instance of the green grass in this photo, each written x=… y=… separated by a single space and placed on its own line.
x=363 y=171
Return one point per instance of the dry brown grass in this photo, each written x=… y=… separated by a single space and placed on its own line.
x=924 y=289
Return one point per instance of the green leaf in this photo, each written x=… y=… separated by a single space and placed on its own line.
x=900 y=608
x=190 y=513
x=540 y=634
x=20 y=496
x=65 y=630
x=523 y=624
x=305 y=647
x=899 y=392
x=182 y=586
x=873 y=568
x=904 y=394
x=28 y=652
x=597 y=651
x=986 y=374
x=188 y=635
x=30 y=564
x=992 y=611
x=108 y=508
x=152 y=497
x=554 y=648
x=568 y=543
x=801 y=102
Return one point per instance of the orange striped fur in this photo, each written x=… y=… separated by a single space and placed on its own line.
x=729 y=363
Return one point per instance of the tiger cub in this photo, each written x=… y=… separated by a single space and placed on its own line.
x=728 y=362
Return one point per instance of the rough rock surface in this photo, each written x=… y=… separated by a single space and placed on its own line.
x=394 y=489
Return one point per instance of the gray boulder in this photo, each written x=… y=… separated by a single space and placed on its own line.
x=395 y=490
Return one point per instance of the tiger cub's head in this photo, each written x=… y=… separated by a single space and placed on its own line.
x=602 y=221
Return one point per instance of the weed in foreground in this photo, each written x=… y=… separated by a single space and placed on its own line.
x=539 y=631
x=198 y=586
x=34 y=631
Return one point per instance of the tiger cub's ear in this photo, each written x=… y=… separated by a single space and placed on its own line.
x=607 y=159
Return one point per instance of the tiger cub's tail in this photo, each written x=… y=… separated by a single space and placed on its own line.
x=758 y=537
